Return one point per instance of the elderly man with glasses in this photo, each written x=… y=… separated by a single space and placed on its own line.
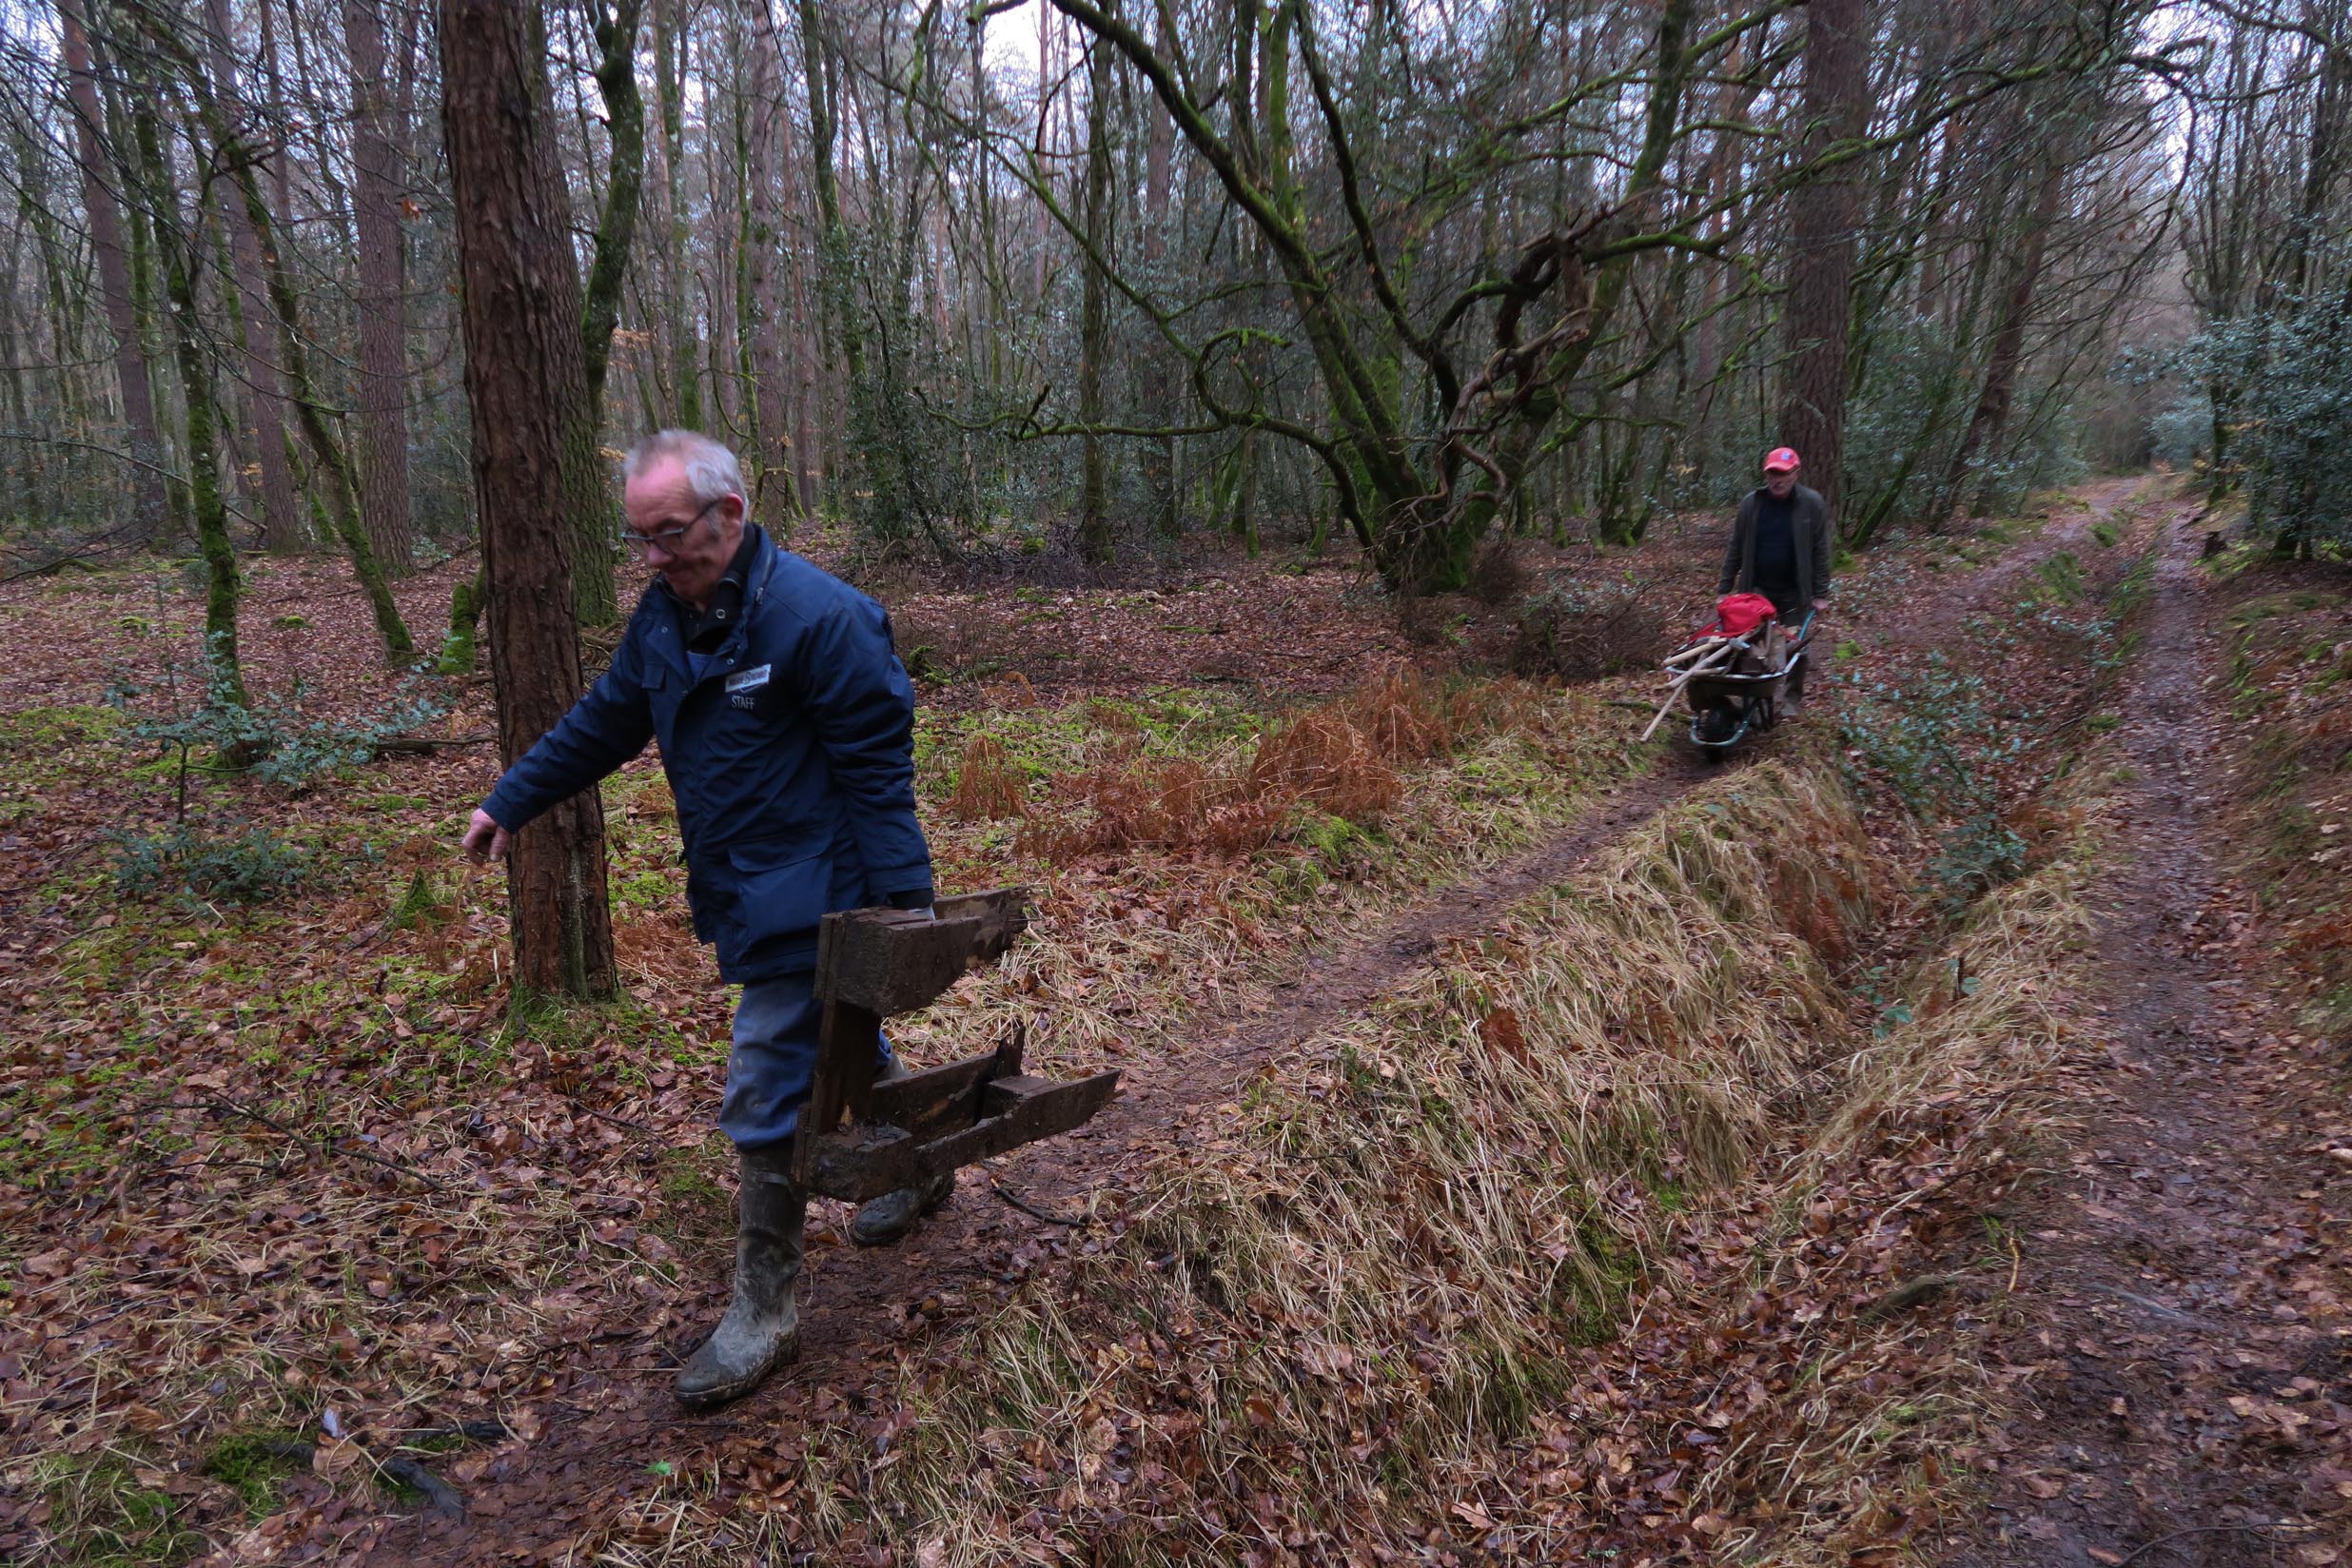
x=785 y=725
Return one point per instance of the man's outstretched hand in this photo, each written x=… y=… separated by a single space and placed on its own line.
x=484 y=837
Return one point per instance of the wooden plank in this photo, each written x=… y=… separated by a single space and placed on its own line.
x=847 y=1042
x=943 y=1098
x=868 y=1162
x=893 y=961
x=1003 y=914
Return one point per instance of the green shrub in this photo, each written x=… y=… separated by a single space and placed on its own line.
x=251 y=866
x=2061 y=577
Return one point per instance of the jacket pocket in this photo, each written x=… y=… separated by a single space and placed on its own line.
x=780 y=888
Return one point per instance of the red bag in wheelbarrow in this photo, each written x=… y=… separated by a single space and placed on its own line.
x=1744 y=613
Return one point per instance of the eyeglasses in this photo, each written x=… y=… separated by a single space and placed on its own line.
x=667 y=537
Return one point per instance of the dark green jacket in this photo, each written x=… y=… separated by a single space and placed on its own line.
x=1809 y=519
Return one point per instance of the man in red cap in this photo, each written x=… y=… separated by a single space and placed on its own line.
x=1780 y=548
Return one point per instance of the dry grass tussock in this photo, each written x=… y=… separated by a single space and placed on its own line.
x=1466 y=1274
x=1342 y=758
x=1930 y=1125
x=988 y=785
x=1127 y=943
x=1389 y=1256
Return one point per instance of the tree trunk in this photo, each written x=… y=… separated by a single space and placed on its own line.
x=1160 y=456
x=1094 y=312
x=1991 y=418
x=1821 y=245
x=114 y=284
x=671 y=47
x=762 y=306
x=382 y=382
x=533 y=448
x=835 y=259
x=595 y=518
x=326 y=452
x=282 y=520
x=181 y=248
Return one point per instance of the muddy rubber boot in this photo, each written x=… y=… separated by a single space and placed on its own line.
x=882 y=1220
x=889 y=1218
x=761 y=1330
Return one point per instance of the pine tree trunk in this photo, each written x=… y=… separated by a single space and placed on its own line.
x=383 y=384
x=1821 y=245
x=114 y=283
x=595 y=517
x=534 y=446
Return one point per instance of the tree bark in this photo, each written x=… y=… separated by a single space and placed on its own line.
x=382 y=389
x=1817 y=313
x=594 y=516
x=1094 y=313
x=1160 y=456
x=532 y=445
x=762 y=323
x=1991 y=418
x=836 y=259
x=342 y=518
x=671 y=47
x=181 y=247
x=282 y=520
x=114 y=283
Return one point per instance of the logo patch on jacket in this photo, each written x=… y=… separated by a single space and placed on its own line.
x=743 y=685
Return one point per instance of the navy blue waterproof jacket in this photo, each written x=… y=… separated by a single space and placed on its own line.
x=792 y=760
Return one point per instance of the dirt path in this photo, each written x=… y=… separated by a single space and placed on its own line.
x=861 y=1309
x=2179 y=1343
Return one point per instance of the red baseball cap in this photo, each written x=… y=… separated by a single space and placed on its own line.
x=1781 y=459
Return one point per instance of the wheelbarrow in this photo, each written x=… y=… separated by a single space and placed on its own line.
x=860 y=1139
x=1732 y=686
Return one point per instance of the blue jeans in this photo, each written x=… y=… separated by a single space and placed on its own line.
x=773 y=1060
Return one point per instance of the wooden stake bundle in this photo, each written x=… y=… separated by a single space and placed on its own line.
x=1694 y=650
x=1714 y=659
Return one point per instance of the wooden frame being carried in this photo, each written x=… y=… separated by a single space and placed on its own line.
x=874 y=963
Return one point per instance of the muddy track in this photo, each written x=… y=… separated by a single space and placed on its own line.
x=2155 y=1320
x=860 y=1309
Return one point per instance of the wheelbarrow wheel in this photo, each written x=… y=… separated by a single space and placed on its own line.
x=1712 y=731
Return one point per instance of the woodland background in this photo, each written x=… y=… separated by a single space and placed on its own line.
x=1077 y=281
x=1285 y=435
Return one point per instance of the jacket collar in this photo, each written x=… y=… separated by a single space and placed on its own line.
x=708 y=629
x=742 y=590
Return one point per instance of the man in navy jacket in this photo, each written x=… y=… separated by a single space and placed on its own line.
x=786 y=724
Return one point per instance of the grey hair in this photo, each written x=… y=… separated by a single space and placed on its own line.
x=711 y=469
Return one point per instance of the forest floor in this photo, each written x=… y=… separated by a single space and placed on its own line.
x=1922 y=1137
